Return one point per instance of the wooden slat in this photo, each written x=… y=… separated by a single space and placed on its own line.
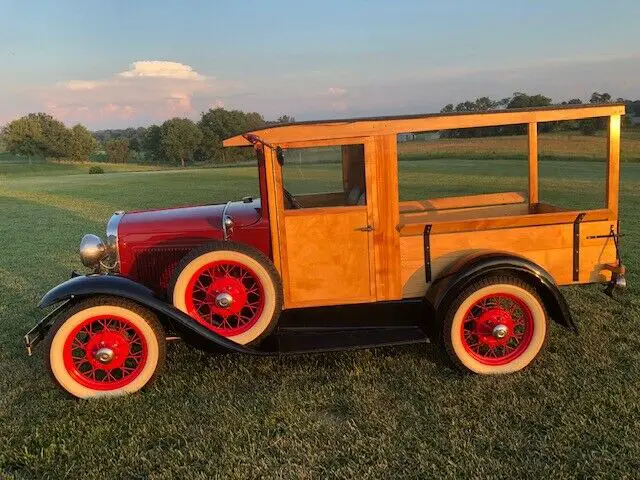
x=533 y=163
x=467 y=213
x=307 y=132
x=269 y=158
x=382 y=181
x=462 y=202
x=417 y=228
x=304 y=212
x=613 y=164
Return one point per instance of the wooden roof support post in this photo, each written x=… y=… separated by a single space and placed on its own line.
x=533 y=163
x=613 y=164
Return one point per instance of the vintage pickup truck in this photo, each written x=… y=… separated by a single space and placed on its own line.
x=478 y=274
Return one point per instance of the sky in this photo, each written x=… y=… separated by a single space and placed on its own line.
x=114 y=64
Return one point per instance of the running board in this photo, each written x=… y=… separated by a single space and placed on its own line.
x=306 y=340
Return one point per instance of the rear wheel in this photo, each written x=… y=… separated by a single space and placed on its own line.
x=105 y=346
x=231 y=289
x=497 y=325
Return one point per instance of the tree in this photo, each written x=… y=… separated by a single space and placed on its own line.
x=57 y=137
x=37 y=134
x=118 y=150
x=589 y=126
x=448 y=108
x=134 y=145
x=81 y=143
x=180 y=139
x=218 y=124
x=522 y=100
x=24 y=137
x=151 y=144
x=600 y=98
x=286 y=119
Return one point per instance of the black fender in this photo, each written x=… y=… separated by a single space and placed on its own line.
x=461 y=274
x=90 y=285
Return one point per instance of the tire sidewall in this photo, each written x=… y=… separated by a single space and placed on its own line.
x=271 y=295
x=453 y=337
x=67 y=325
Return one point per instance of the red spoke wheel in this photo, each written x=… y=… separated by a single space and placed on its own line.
x=231 y=289
x=105 y=346
x=105 y=352
x=497 y=325
x=225 y=296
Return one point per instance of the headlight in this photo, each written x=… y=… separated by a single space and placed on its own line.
x=95 y=253
x=92 y=250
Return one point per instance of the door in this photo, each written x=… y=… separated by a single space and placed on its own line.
x=326 y=229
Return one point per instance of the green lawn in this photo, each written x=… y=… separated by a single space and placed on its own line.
x=380 y=413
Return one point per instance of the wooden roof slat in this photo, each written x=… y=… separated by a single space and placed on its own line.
x=362 y=127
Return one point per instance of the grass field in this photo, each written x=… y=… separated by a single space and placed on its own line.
x=382 y=413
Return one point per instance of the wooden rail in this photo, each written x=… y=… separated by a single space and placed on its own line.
x=333 y=129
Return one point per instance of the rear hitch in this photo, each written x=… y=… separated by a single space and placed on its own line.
x=618 y=282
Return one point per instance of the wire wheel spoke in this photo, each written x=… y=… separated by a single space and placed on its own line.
x=497 y=328
x=106 y=352
x=225 y=296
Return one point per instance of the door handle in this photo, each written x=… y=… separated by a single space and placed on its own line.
x=368 y=228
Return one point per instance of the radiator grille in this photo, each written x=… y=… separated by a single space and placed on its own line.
x=155 y=266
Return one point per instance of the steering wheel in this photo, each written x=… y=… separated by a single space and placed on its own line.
x=293 y=203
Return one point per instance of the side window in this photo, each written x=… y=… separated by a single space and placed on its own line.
x=324 y=177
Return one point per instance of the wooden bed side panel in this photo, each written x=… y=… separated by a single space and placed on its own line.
x=327 y=259
x=550 y=246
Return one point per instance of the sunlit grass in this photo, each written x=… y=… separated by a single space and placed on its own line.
x=382 y=413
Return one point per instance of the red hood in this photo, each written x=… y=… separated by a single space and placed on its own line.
x=185 y=220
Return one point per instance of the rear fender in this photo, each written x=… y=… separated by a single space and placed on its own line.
x=461 y=274
x=90 y=285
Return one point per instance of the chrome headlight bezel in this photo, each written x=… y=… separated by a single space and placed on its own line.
x=111 y=242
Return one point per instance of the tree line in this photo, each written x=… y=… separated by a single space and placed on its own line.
x=183 y=140
x=521 y=100
x=177 y=139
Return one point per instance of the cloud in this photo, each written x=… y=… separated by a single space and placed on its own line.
x=81 y=84
x=336 y=91
x=157 y=68
x=149 y=91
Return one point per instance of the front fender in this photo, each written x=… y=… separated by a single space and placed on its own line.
x=470 y=269
x=115 y=285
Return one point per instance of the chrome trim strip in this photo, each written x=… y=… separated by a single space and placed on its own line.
x=224 y=222
x=112 y=236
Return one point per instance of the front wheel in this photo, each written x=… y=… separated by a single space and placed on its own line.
x=497 y=325
x=229 y=288
x=105 y=346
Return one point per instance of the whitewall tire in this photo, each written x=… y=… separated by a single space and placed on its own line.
x=497 y=325
x=105 y=346
x=232 y=289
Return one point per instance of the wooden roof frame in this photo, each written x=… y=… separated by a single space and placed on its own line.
x=375 y=126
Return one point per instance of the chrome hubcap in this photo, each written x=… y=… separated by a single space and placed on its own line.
x=224 y=300
x=104 y=355
x=500 y=331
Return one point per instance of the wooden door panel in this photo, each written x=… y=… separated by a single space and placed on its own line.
x=327 y=257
